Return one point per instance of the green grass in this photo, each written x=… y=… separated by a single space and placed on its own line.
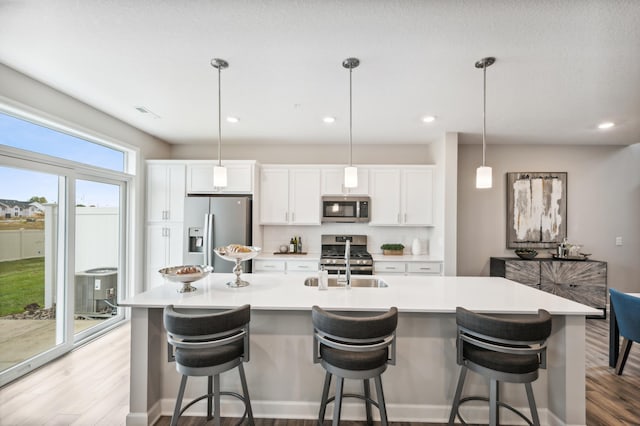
x=21 y=283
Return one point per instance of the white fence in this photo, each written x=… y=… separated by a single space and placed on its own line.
x=21 y=244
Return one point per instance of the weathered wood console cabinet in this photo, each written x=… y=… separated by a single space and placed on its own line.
x=584 y=281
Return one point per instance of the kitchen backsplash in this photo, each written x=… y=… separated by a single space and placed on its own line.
x=274 y=236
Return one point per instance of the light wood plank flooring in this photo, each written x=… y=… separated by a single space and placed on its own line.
x=90 y=386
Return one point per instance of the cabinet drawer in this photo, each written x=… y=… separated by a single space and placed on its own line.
x=424 y=268
x=389 y=267
x=302 y=266
x=268 y=265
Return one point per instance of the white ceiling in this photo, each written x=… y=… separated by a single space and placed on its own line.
x=562 y=67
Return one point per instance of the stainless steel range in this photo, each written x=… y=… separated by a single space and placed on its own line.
x=332 y=257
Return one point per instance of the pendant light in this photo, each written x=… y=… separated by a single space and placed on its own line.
x=219 y=172
x=350 y=172
x=483 y=173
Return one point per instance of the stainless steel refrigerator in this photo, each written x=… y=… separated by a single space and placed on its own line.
x=215 y=221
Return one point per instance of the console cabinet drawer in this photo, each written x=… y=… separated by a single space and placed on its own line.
x=434 y=268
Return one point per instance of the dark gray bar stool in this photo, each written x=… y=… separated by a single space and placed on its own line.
x=502 y=350
x=207 y=345
x=356 y=348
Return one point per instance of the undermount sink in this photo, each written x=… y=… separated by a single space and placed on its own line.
x=355 y=282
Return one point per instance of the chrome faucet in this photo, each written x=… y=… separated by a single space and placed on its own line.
x=347 y=264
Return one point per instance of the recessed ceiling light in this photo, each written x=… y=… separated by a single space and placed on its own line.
x=606 y=125
x=329 y=120
x=429 y=119
x=232 y=119
x=144 y=110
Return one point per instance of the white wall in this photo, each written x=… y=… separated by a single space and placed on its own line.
x=18 y=90
x=603 y=203
x=271 y=153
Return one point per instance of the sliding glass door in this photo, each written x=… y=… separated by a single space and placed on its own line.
x=31 y=305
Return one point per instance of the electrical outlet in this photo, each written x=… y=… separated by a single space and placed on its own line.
x=618 y=241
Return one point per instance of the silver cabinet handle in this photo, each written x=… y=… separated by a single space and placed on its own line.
x=389 y=267
x=268 y=266
x=302 y=267
x=293 y=217
x=405 y=218
x=286 y=216
x=398 y=217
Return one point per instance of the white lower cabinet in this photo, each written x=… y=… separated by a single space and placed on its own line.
x=285 y=266
x=407 y=268
x=164 y=248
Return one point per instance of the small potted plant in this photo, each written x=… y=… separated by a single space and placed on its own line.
x=392 y=249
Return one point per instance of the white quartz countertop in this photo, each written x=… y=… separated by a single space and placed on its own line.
x=408 y=293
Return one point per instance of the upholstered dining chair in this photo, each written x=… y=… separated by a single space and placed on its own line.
x=627 y=309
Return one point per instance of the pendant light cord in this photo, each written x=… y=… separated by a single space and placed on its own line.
x=219 y=120
x=350 y=116
x=484 y=112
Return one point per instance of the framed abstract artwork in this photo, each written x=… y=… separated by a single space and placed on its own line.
x=536 y=209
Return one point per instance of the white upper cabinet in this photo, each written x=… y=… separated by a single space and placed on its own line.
x=289 y=196
x=333 y=182
x=402 y=196
x=385 y=196
x=417 y=196
x=239 y=178
x=165 y=192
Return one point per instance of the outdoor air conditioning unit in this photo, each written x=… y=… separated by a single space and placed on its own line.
x=96 y=291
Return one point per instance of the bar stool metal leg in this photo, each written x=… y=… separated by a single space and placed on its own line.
x=337 y=402
x=245 y=391
x=176 y=410
x=381 y=404
x=325 y=396
x=532 y=404
x=456 y=398
x=493 y=402
x=367 y=395
x=216 y=400
x=209 y=397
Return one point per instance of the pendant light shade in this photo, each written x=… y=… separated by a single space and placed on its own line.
x=219 y=172
x=484 y=173
x=350 y=172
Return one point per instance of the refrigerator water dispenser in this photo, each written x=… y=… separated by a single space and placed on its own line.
x=196 y=240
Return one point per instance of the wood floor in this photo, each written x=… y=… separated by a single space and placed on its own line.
x=90 y=386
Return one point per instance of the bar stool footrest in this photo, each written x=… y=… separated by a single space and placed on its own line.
x=226 y=393
x=500 y=404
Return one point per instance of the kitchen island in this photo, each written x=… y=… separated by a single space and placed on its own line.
x=284 y=382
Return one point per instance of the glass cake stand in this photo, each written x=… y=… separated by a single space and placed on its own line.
x=186 y=274
x=238 y=258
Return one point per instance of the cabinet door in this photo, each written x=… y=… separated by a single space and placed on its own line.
x=163 y=248
x=200 y=179
x=274 y=196
x=523 y=271
x=583 y=282
x=417 y=197
x=385 y=196
x=165 y=192
x=333 y=182
x=304 y=196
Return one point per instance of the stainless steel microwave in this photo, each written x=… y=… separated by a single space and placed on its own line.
x=348 y=209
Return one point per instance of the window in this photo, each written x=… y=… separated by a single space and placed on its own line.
x=28 y=136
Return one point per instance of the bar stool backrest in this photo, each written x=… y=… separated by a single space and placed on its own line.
x=518 y=336
x=186 y=330
x=355 y=334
